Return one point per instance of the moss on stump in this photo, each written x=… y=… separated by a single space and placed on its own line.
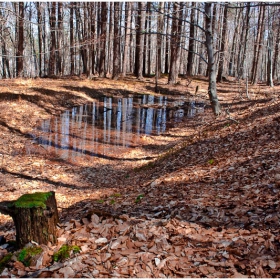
x=36 y=200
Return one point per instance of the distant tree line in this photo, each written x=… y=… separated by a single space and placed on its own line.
x=112 y=39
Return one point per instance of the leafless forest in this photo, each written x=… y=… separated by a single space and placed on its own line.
x=112 y=39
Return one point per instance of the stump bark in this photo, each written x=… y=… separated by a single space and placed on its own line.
x=35 y=217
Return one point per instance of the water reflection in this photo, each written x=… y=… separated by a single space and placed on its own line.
x=110 y=126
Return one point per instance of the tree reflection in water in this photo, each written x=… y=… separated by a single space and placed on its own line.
x=109 y=126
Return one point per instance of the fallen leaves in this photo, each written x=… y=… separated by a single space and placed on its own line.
x=210 y=208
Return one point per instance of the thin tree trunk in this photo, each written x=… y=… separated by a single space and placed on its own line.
x=166 y=65
x=20 y=46
x=190 y=59
x=276 y=53
x=149 y=39
x=175 y=43
x=39 y=21
x=212 y=88
x=104 y=13
x=244 y=43
x=5 y=61
x=159 y=40
x=269 y=81
x=59 y=38
x=258 y=47
x=52 y=59
x=223 y=45
x=92 y=36
x=111 y=40
x=127 y=37
x=269 y=72
x=233 y=53
x=116 y=47
x=140 y=41
x=145 y=48
x=72 y=63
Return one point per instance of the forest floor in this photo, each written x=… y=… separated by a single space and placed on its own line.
x=201 y=200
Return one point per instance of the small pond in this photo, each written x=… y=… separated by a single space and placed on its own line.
x=110 y=125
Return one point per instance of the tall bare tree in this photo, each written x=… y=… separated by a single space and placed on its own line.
x=104 y=13
x=52 y=58
x=223 y=45
x=212 y=88
x=127 y=37
x=116 y=50
x=139 y=51
x=20 y=40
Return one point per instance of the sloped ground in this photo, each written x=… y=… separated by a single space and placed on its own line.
x=206 y=205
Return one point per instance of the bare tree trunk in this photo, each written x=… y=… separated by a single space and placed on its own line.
x=140 y=41
x=145 y=35
x=191 y=42
x=111 y=40
x=127 y=37
x=116 y=50
x=269 y=71
x=269 y=81
x=52 y=59
x=82 y=37
x=166 y=66
x=39 y=21
x=212 y=88
x=258 y=47
x=276 y=52
x=72 y=63
x=234 y=46
x=20 y=45
x=244 y=43
x=149 y=36
x=59 y=38
x=173 y=46
x=5 y=62
x=92 y=37
x=223 y=44
x=159 y=40
x=104 y=13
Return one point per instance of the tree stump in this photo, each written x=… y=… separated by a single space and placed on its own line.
x=35 y=217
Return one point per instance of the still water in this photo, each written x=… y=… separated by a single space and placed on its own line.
x=110 y=126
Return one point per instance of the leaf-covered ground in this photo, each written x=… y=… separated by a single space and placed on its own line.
x=202 y=200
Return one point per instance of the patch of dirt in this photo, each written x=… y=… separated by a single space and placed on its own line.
x=200 y=200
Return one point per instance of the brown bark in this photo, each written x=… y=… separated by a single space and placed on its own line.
x=159 y=41
x=127 y=38
x=72 y=39
x=167 y=47
x=20 y=46
x=59 y=37
x=92 y=36
x=190 y=59
x=140 y=41
x=39 y=21
x=223 y=44
x=276 y=52
x=258 y=47
x=116 y=47
x=52 y=59
x=111 y=40
x=212 y=88
x=104 y=13
x=175 y=43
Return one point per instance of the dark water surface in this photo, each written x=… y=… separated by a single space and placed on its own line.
x=110 y=126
